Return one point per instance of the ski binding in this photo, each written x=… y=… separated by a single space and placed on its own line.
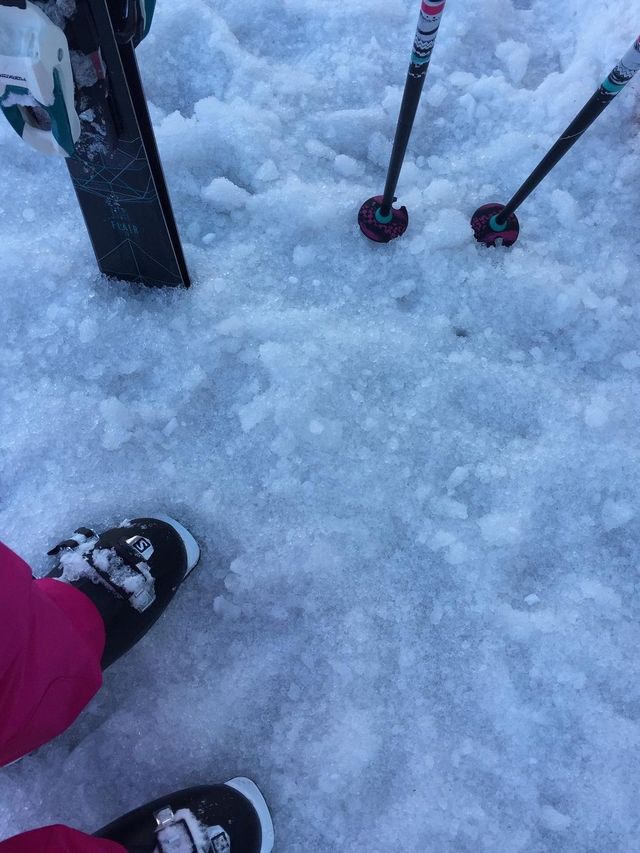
x=36 y=80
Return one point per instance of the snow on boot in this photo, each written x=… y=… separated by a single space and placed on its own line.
x=130 y=572
x=229 y=818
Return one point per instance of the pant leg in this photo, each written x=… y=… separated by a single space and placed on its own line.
x=58 y=839
x=51 y=641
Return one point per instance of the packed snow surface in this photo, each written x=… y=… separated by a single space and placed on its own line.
x=414 y=469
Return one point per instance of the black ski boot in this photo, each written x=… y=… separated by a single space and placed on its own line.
x=229 y=818
x=130 y=573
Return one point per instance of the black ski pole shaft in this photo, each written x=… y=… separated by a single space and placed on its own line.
x=493 y=221
x=598 y=102
x=377 y=218
x=410 y=99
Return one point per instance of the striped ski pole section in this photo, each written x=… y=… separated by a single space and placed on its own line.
x=494 y=223
x=378 y=220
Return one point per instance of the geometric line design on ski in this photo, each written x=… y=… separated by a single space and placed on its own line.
x=140 y=258
x=106 y=178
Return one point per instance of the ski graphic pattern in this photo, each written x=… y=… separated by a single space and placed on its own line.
x=102 y=179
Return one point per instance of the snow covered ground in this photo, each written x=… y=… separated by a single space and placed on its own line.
x=414 y=469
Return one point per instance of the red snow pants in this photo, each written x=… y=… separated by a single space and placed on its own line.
x=51 y=642
x=58 y=839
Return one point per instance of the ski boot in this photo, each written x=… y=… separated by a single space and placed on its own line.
x=130 y=572
x=229 y=818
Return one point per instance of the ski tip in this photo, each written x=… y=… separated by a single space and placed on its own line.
x=490 y=233
x=379 y=228
x=252 y=793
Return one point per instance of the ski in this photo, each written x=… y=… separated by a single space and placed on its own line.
x=70 y=85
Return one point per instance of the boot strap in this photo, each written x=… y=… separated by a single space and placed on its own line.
x=132 y=580
x=181 y=833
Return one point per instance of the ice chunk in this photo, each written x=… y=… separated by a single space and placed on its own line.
x=596 y=413
x=268 y=171
x=616 y=513
x=347 y=166
x=500 y=528
x=553 y=819
x=303 y=256
x=224 y=196
x=516 y=56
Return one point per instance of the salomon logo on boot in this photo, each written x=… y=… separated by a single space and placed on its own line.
x=142 y=545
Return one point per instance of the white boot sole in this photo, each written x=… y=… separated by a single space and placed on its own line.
x=191 y=546
x=251 y=791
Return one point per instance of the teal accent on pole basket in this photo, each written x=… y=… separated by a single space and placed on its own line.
x=494 y=225
x=383 y=220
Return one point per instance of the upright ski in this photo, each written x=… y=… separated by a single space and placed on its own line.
x=70 y=85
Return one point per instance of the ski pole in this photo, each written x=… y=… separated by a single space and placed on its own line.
x=378 y=219
x=494 y=224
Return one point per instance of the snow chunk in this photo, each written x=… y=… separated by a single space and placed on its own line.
x=449 y=508
x=630 y=360
x=254 y=412
x=303 y=256
x=441 y=539
x=565 y=206
x=224 y=196
x=500 y=528
x=225 y=608
x=596 y=413
x=435 y=94
x=347 y=166
x=437 y=613
x=457 y=554
x=450 y=228
x=459 y=475
x=553 y=819
x=87 y=330
x=170 y=427
x=616 y=514
x=268 y=171
x=516 y=56
x=118 y=422
x=602 y=594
